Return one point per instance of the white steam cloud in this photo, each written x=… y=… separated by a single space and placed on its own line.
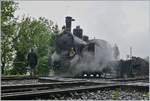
x=102 y=56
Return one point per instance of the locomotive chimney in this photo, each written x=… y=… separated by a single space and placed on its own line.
x=68 y=23
x=78 y=32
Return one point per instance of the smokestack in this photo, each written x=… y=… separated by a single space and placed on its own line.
x=78 y=32
x=68 y=23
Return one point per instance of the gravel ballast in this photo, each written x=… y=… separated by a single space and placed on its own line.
x=105 y=94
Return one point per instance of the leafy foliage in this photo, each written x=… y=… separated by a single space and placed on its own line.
x=133 y=67
x=8 y=26
x=18 y=37
x=37 y=34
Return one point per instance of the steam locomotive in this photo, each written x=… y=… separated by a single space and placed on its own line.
x=77 y=55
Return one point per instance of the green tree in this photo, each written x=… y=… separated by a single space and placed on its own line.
x=19 y=37
x=34 y=33
x=8 y=28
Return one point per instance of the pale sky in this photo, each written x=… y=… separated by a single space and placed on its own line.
x=125 y=23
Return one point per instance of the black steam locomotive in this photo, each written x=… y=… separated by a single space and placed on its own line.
x=68 y=45
x=77 y=55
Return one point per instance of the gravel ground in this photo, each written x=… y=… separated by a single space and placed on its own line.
x=12 y=82
x=106 y=94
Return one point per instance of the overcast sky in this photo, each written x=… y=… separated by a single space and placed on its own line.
x=125 y=23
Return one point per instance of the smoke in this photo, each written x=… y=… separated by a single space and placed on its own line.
x=103 y=56
x=93 y=62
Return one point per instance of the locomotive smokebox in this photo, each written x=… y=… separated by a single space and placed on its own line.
x=68 y=23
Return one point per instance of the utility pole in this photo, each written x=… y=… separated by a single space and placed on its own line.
x=131 y=67
x=130 y=52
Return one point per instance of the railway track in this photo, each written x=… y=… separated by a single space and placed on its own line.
x=3 y=78
x=131 y=79
x=28 y=91
x=43 y=90
x=62 y=86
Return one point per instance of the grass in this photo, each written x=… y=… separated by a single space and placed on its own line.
x=146 y=94
x=115 y=94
